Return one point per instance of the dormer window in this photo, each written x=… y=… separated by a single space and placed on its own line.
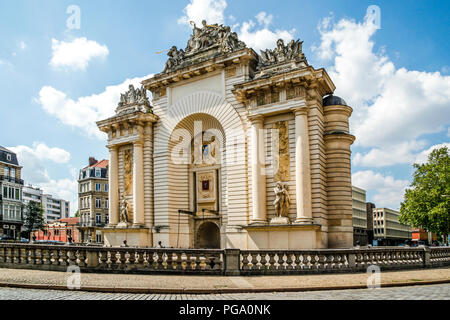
x=8 y=157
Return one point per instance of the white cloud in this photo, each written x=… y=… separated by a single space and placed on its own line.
x=393 y=107
x=389 y=155
x=260 y=37
x=423 y=156
x=388 y=192
x=85 y=111
x=210 y=10
x=76 y=54
x=22 y=45
x=34 y=161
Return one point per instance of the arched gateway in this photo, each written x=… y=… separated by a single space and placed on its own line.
x=236 y=150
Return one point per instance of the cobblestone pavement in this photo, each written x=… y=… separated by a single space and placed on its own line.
x=431 y=292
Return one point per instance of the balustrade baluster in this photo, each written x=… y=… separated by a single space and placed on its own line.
x=139 y=263
x=263 y=261
x=245 y=262
x=8 y=255
x=131 y=261
x=63 y=258
x=114 y=264
x=254 y=261
x=122 y=260
x=16 y=255
x=2 y=255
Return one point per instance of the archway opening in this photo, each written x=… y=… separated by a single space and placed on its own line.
x=208 y=236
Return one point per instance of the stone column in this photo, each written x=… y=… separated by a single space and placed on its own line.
x=138 y=184
x=113 y=194
x=302 y=167
x=258 y=178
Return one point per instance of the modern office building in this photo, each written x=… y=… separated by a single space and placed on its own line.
x=359 y=216
x=11 y=184
x=54 y=209
x=388 y=231
x=93 y=200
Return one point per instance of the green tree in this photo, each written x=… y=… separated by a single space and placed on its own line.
x=77 y=214
x=427 y=201
x=34 y=219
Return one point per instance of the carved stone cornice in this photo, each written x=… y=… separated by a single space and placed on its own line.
x=137 y=118
x=161 y=81
x=305 y=78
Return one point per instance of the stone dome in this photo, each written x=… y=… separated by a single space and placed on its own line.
x=332 y=100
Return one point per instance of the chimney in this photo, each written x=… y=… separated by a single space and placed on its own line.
x=92 y=161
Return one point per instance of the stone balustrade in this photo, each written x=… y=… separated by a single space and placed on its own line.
x=227 y=262
x=115 y=260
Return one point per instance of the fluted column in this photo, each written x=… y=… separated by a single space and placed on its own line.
x=302 y=167
x=113 y=194
x=258 y=178
x=138 y=184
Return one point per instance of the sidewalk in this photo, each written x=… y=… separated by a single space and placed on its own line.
x=215 y=284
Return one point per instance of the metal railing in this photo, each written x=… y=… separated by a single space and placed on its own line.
x=11 y=179
x=219 y=262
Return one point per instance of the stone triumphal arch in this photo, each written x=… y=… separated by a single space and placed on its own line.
x=236 y=150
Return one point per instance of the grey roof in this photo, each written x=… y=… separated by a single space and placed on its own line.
x=4 y=152
x=332 y=100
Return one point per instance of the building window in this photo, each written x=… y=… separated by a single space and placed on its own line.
x=5 y=192
x=17 y=194
x=98 y=203
x=106 y=204
x=98 y=218
x=8 y=157
x=98 y=187
x=98 y=173
x=106 y=218
x=106 y=187
x=98 y=238
x=12 y=173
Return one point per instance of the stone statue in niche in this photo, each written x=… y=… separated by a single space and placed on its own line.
x=124 y=211
x=128 y=172
x=281 y=152
x=211 y=152
x=282 y=204
x=206 y=153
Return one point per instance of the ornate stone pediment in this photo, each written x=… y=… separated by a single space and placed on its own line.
x=134 y=100
x=282 y=53
x=217 y=38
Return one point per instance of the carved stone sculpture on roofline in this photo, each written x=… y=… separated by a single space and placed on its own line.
x=282 y=53
x=134 y=100
x=208 y=37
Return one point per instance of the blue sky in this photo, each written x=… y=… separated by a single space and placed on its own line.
x=55 y=83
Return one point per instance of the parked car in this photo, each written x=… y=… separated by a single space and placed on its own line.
x=6 y=238
x=23 y=240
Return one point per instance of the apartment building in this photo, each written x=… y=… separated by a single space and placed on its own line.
x=11 y=184
x=93 y=200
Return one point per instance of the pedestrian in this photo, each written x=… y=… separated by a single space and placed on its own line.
x=159 y=244
x=125 y=243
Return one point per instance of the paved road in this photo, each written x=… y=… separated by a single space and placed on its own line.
x=432 y=292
